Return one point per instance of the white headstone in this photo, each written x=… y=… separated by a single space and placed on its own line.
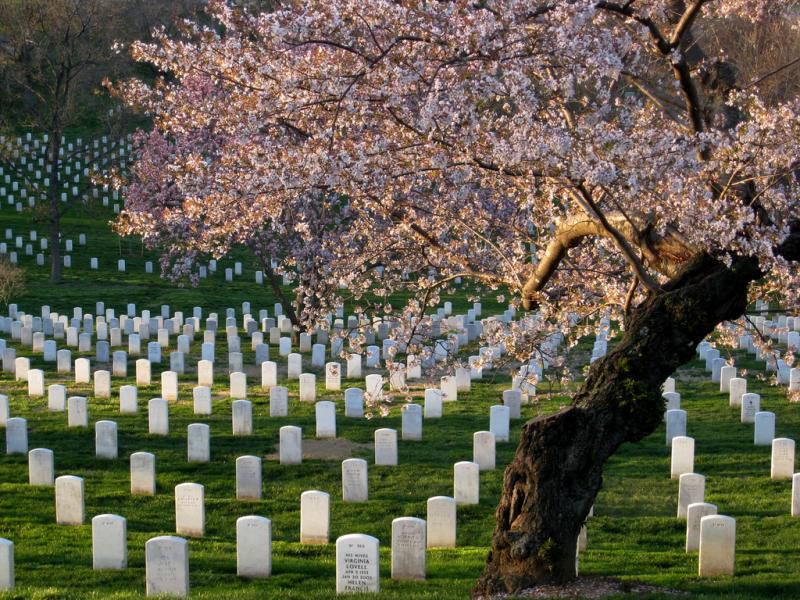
x=764 y=429
x=201 y=400
x=386 y=447
x=253 y=547
x=158 y=416
x=7 y=579
x=483 y=450
x=109 y=542
x=190 y=511
x=751 y=404
x=357 y=564
x=682 y=456
x=408 y=548
x=466 y=482
x=198 y=443
x=717 y=546
x=128 y=399
x=433 y=403
x=41 y=467
x=242 y=417
x=411 y=421
x=167 y=566
x=314 y=517
x=69 y=500
x=782 y=458
x=441 y=519
x=354 y=403
x=325 y=412
x=738 y=387
x=105 y=433
x=308 y=387
x=16 y=436
x=77 y=414
x=691 y=489
x=499 y=422
x=169 y=386
x=291 y=445
x=248 y=478
x=695 y=512
x=143 y=473
x=278 y=401
x=354 y=480
x=676 y=424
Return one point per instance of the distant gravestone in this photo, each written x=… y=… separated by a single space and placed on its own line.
x=69 y=500
x=354 y=480
x=411 y=422
x=782 y=458
x=408 y=548
x=109 y=542
x=128 y=399
x=105 y=439
x=695 y=512
x=764 y=431
x=16 y=436
x=56 y=398
x=278 y=401
x=433 y=403
x=737 y=387
x=466 y=482
x=77 y=414
x=41 y=467
x=691 y=490
x=248 y=478
x=325 y=412
x=167 y=566
x=198 y=443
x=190 y=511
x=169 y=386
x=7 y=580
x=499 y=422
x=386 y=447
x=291 y=445
x=308 y=387
x=158 y=416
x=242 y=417
x=751 y=404
x=357 y=564
x=795 y=512
x=483 y=450
x=682 y=456
x=143 y=473
x=314 y=517
x=201 y=400
x=676 y=424
x=441 y=522
x=354 y=403
x=253 y=547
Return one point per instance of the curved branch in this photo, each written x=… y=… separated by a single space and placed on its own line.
x=666 y=253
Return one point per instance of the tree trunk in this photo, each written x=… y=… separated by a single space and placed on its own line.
x=556 y=473
x=54 y=210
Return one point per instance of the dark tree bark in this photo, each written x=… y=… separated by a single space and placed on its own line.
x=53 y=208
x=556 y=473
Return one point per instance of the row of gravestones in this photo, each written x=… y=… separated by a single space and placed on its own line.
x=30 y=171
x=691 y=486
x=167 y=557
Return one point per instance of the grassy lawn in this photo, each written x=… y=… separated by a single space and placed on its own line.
x=634 y=535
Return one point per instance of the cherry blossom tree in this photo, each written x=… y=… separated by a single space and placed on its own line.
x=583 y=155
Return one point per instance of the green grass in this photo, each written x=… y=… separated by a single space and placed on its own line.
x=634 y=535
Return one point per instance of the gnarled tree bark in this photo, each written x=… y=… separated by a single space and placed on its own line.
x=556 y=473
